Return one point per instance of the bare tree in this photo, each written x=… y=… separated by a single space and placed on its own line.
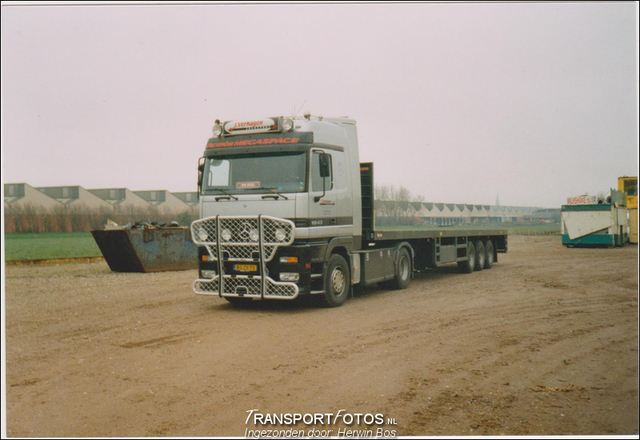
x=392 y=204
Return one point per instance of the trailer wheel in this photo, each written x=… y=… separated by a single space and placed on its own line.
x=469 y=265
x=488 y=249
x=480 y=254
x=403 y=270
x=337 y=281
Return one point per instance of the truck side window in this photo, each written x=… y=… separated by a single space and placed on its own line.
x=218 y=173
x=316 y=180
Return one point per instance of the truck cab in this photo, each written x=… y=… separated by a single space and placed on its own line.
x=276 y=195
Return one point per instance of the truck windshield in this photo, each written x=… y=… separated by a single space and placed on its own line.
x=255 y=173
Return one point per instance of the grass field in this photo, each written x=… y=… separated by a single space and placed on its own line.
x=49 y=245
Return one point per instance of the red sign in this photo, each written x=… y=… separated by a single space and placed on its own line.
x=252 y=142
x=259 y=126
x=582 y=200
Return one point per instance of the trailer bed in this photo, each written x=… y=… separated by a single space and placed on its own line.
x=373 y=234
x=382 y=234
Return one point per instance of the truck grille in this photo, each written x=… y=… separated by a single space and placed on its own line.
x=243 y=239
x=239 y=245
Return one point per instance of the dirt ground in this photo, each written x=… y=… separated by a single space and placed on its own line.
x=546 y=342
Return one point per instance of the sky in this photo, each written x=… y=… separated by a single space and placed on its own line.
x=458 y=102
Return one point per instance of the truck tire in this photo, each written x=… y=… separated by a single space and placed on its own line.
x=403 y=270
x=480 y=254
x=489 y=258
x=469 y=265
x=337 y=281
x=238 y=301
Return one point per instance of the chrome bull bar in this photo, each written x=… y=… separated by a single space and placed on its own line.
x=249 y=239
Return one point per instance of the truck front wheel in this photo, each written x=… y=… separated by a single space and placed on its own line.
x=337 y=281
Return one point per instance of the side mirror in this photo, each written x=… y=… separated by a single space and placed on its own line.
x=325 y=165
x=325 y=171
x=200 y=174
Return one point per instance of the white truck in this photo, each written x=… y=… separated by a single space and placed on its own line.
x=287 y=209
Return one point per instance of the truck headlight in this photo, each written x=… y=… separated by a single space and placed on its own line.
x=281 y=235
x=207 y=274
x=253 y=235
x=290 y=276
x=202 y=235
x=225 y=235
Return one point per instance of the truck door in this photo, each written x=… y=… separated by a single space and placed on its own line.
x=322 y=193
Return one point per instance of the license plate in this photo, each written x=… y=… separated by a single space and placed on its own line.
x=245 y=267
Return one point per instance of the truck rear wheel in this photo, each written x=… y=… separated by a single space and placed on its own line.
x=469 y=265
x=403 y=270
x=337 y=281
x=480 y=254
x=488 y=249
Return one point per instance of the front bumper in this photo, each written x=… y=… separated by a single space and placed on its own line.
x=233 y=239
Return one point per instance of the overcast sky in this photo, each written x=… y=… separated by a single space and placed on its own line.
x=458 y=102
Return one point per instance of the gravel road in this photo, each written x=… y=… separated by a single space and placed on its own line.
x=546 y=342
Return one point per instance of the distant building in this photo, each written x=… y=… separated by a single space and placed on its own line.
x=126 y=205
x=73 y=208
x=24 y=195
x=121 y=198
x=190 y=198
x=547 y=215
x=166 y=202
x=75 y=196
x=446 y=214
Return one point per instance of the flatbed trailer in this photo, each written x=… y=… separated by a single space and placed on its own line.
x=287 y=210
x=427 y=247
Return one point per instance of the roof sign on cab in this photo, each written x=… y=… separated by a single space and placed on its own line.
x=246 y=127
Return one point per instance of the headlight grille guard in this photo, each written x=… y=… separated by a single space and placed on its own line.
x=232 y=238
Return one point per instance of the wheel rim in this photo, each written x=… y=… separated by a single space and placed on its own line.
x=338 y=281
x=404 y=268
x=472 y=258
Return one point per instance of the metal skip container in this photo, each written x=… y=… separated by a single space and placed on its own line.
x=147 y=249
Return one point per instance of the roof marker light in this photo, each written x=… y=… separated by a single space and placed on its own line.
x=217 y=129
x=287 y=124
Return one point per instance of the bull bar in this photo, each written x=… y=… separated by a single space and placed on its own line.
x=243 y=239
